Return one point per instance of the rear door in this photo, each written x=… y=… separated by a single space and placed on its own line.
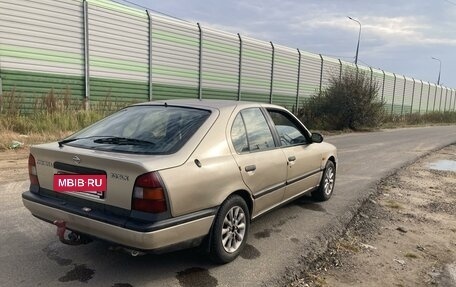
x=262 y=164
x=304 y=158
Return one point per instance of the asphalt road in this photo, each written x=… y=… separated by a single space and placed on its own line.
x=31 y=255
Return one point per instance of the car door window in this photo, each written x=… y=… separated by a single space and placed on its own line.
x=259 y=134
x=250 y=132
x=288 y=130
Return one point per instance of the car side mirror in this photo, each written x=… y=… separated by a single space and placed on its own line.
x=317 y=138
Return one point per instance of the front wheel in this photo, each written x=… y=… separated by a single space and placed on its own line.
x=230 y=229
x=326 y=188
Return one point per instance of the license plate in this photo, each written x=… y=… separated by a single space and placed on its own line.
x=93 y=185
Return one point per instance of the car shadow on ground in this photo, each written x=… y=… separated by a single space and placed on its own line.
x=190 y=267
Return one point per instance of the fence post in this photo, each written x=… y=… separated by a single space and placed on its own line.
x=86 y=56
x=383 y=85
x=421 y=96
x=441 y=94
x=403 y=95
x=413 y=96
x=200 y=63
x=453 y=96
x=429 y=94
x=150 y=54
x=394 y=93
x=299 y=81
x=454 y=100
x=340 y=70
x=240 y=67
x=446 y=96
x=435 y=98
x=451 y=99
x=272 y=73
x=321 y=72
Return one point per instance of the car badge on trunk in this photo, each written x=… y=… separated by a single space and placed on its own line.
x=76 y=159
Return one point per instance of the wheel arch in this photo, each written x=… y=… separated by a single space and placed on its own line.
x=333 y=159
x=244 y=194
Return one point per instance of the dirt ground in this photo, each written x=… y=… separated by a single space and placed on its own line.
x=405 y=235
x=13 y=165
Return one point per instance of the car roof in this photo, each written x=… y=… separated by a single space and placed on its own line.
x=208 y=103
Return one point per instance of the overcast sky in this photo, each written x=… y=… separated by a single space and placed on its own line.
x=397 y=36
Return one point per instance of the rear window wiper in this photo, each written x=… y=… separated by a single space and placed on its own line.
x=62 y=142
x=123 y=141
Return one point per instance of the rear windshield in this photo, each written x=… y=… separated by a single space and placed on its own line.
x=143 y=130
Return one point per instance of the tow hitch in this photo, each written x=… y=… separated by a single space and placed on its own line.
x=73 y=237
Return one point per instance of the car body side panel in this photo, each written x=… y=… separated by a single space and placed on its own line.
x=267 y=181
x=305 y=171
x=195 y=188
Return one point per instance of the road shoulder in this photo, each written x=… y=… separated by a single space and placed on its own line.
x=403 y=235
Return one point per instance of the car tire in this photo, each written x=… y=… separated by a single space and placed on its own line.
x=328 y=180
x=230 y=230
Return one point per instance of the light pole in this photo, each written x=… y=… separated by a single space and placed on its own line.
x=359 y=37
x=440 y=69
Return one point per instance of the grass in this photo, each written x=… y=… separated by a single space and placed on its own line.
x=411 y=255
x=49 y=118
x=350 y=245
x=393 y=204
x=417 y=119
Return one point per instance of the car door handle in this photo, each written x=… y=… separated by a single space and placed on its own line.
x=291 y=158
x=250 y=168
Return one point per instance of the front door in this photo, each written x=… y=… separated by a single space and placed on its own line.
x=304 y=159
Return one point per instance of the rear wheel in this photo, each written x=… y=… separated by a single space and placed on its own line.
x=230 y=229
x=326 y=188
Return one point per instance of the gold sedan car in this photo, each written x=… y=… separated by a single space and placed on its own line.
x=164 y=175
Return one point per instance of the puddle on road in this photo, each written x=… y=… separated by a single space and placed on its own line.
x=122 y=285
x=196 y=276
x=79 y=273
x=54 y=255
x=444 y=165
x=266 y=233
x=250 y=252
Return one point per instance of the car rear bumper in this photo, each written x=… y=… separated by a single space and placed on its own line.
x=168 y=235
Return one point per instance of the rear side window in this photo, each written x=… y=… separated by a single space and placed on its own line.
x=251 y=132
x=143 y=129
x=239 y=136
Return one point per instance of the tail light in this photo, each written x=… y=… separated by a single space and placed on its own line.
x=149 y=194
x=32 y=171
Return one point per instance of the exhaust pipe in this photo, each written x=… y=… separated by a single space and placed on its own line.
x=132 y=252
